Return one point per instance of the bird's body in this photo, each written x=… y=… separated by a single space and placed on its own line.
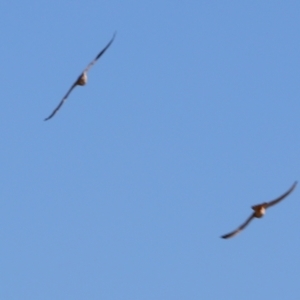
x=81 y=80
x=259 y=212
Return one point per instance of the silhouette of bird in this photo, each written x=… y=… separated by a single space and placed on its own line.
x=259 y=211
x=82 y=79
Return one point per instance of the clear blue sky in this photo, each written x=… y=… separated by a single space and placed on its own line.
x=189 y=118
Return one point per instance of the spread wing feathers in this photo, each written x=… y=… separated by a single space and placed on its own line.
x=77 y=80
x=273 y=202
x=233 y=233
x=62 y=101
x=100 y=54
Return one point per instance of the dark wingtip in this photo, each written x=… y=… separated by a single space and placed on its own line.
x=113 y=37
x=294 y=186
x=226 y=236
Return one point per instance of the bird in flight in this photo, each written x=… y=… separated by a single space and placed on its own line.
x=259 y=211
x=82 y=79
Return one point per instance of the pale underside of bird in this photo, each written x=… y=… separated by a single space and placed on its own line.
x=259 y=211
x=82 y=79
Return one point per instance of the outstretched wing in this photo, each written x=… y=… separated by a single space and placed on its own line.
x=273 y=202
x=100 y=54
x=232 y=234
x=62 y=101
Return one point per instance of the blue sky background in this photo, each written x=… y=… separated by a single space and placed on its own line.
x=189 y=118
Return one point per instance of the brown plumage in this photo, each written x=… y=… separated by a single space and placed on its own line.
x=81 y=80
x=259 y=211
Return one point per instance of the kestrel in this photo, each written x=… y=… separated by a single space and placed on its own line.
x=81 y=80
x=259 y=211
